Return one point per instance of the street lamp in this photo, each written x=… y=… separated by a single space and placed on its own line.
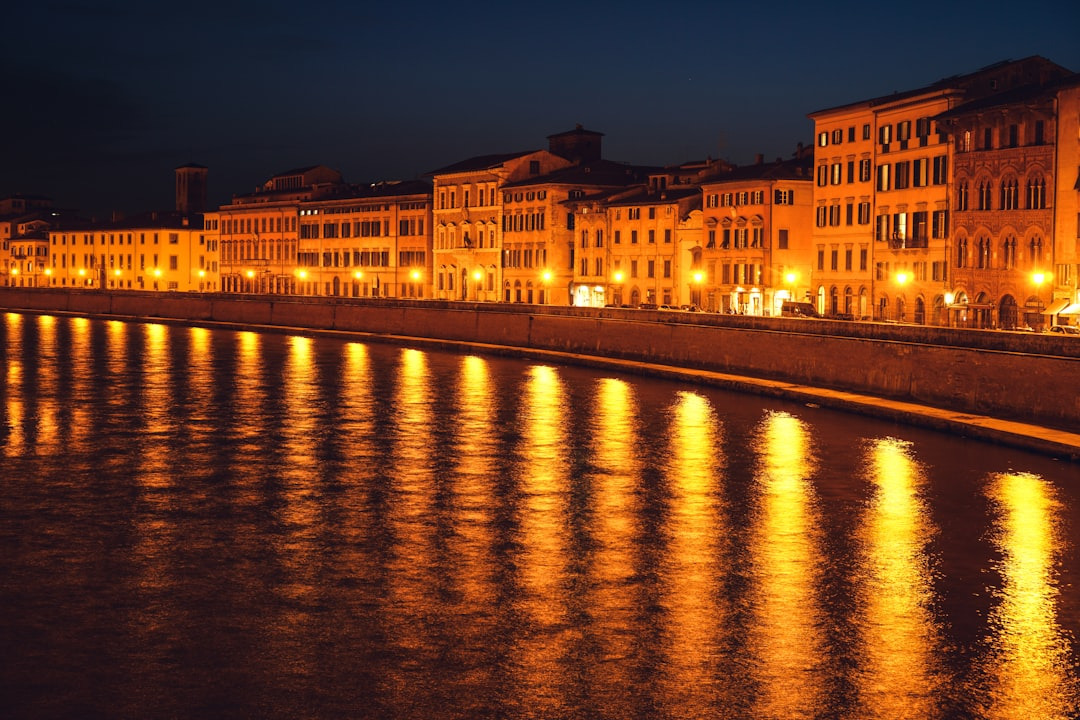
x=695 y=291
x=1038 y=278
x=616 y=292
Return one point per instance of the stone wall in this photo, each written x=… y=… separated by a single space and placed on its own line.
x=1023 y=376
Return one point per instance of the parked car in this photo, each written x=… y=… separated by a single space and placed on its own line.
x=1065 y=329
x=690 y=308
x=799 y=309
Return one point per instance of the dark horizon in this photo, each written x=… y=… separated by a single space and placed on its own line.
x=109 y=99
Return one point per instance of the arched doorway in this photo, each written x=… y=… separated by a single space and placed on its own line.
x=920 y=311
x=635 y=297
x=337 y=285
x=1008 y=314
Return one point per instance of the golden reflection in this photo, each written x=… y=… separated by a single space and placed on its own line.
x=786 y=638
x=13 y=405
x=301 y=433
x=544 y=530
x=476 y=458
x=695 y=559
x=155 y=465
x=358 y=411
x=411 y=600
x=80 y=426
x=248 y=391
x=1030 y=670
x=48 y=404
x=615 y=510
x=899 y=675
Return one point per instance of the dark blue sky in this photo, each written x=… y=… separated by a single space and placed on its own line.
x=106 y=97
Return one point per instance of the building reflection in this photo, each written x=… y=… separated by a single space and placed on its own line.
x=409 y=604
x=613 y=597
x=1030 y=672
x=899 y=673
x=694 y=560
x=13 y=392
x=786 y=638
x=543 y=642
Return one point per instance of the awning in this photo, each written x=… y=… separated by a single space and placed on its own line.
x=1072 y=310
x=1056 y=307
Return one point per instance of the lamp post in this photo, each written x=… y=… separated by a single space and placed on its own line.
x=1038 y=278
x=477 y=276
x=616 y=287
x=695 y=289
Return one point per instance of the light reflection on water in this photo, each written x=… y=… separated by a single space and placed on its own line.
x=198 y=522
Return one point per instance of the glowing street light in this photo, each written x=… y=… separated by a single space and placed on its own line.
x=546 y=276
x=415 y=274
x=901 y=278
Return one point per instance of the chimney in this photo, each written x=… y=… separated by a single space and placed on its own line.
x=759 y=159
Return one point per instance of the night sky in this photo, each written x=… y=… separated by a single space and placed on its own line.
x=105 y=97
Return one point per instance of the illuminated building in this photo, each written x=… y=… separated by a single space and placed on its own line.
x=883 y=166
x=24 y=221
x=372 y=241
x=644 y=261
x=1016 y=155
x=469 y=217
x=259 y=232
x=154 y=251
x=756 y=246
x=551 y=253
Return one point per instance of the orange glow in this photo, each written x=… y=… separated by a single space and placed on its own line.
x=696 y=557
x=786 y=640
x=1028 y=672
x=899 y=640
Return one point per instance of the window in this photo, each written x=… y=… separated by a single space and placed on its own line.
x=883 y=178
x=667 y=268
x=783 y=197
x=782 y=239
x=863 y=259
x=618 y=237
x=834 y=259
x=847 y=259
x=821 y=215
x=864 y=213
x=1014 y=135
x=864 y=170
x=633 y=237
x=1036 y=193
x=837 y=173
x=174 y=262
x=941 y=170
x=834 y=215
x=851 y=134
x=821 y=258
x=1008 y=194
x=902 y=178
x=1038 y=139
x=822 y=139
x=650 y=269
x=822 y=175
x=939 y=222
x=885 y=135
x=962 y=196
x=988 y=139
x=849 y=214
x=652 y=213
x=652 y=235
x=919 y=174
x=866 y=131
x=667 y=236
x=837 y=136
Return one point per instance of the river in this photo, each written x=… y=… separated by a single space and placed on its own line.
x=202 y=522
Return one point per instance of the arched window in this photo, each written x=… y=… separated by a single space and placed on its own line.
x=984 y=189
x=961 y=252
x=962 y=195
x=1036 y=193
x=982 y=248
x=1008 y=194
x=1008 y=252
x=1035 y=251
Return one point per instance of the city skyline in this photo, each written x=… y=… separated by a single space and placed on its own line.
x=114 y=96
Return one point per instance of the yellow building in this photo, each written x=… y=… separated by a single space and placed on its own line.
x=473 y=215
x=643 y=256
x=259 y=232
x=881 y=197
x=375 y=241
x=756 y=248
x=24 y=223
x=155 y=251
x=1015 y=221
x=549 y=258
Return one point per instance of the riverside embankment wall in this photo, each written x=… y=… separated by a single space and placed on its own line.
x=1021 y=376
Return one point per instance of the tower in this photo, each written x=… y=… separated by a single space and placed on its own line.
x=191 y=188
